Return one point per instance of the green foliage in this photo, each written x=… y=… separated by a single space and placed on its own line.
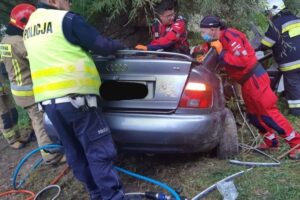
x=90 y=7
x=2 y=30
x=235 y=13
x=114 y=8
x=243 y=9
x=293 y=5
x=23 y=121
x=7 y=5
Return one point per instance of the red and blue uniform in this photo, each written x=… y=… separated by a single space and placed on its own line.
x=239 y=60
x=170 y=38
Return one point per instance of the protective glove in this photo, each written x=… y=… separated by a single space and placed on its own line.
x=200 y=58
x=217 y=45
x=141 y=47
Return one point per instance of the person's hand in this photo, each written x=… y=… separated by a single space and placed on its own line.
x=141 y=47
x=200 y=58
x=217 y=45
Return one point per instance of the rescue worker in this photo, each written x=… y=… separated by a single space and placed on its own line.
x=66 y=84
x=283 y=37
x=168 y=31
x=17 y=67
x=9 y=117
x=239 y=60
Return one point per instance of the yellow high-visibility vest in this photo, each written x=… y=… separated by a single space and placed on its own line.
x=58 y=68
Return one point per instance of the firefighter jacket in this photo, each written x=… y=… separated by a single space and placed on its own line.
x=17 y=66
x=237 y=56
x=283 y=36
x=170 y=38
x=58 y=68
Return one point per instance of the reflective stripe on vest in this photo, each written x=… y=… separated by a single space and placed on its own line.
x=293 y=27
x=290 y=66
x=294 y=103
x=55 y=71
x=21 y=91
x=58 y=67
x=267 y=41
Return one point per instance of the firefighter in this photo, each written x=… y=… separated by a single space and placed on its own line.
x=168 y=31
x=9 y=117
x=283 y=37
x=66 y=84
x=17 y=67
x=239 y=60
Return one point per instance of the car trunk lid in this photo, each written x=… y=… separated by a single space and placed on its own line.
x=143 y=80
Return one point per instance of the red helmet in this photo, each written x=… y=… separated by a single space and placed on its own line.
x=20 y=14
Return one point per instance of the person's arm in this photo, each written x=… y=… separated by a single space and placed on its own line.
x=178 y=28
x=198 y=52
x=20 y=49
x=78 y=32
x=236 y=55
x=269 y=40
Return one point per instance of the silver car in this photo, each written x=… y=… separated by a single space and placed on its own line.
x=159 y=102
x=162 y=102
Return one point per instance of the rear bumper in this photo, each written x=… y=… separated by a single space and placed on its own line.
x=174 y=133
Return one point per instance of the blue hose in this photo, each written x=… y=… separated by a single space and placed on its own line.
x=34 y=166
x=163 y=185
x=51 y=146
x=21 y=163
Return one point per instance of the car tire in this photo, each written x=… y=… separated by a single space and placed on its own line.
x=228 y=145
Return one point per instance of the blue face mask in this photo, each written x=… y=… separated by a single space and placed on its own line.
x=207 y=38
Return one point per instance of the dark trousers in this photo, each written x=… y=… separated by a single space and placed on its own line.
x=89 y=148
x=292 y=90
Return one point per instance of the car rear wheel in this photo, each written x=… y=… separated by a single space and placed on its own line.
x=228 y=146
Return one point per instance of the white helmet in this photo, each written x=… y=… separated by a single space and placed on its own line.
x=274 y=6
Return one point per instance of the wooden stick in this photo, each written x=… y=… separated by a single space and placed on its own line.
x=286 y=153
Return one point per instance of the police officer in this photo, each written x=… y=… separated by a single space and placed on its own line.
x=283 y=37
x=66 y=84
x=17 y=67
x=168 y=31
x=239 y=60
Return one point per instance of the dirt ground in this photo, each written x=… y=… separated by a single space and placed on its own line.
x=162 y=166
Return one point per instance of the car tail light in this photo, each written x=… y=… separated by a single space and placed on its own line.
x=196 y=95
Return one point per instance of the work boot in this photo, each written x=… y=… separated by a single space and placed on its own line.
x=17 y=145
x=63 y=160
x=295 y=154
x=27 y=138
x=272 y=145
x=57 y=160
x=270 y=142
x=264 y=147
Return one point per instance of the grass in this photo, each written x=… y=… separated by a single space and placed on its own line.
x=194 y=173
x=23 y=120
